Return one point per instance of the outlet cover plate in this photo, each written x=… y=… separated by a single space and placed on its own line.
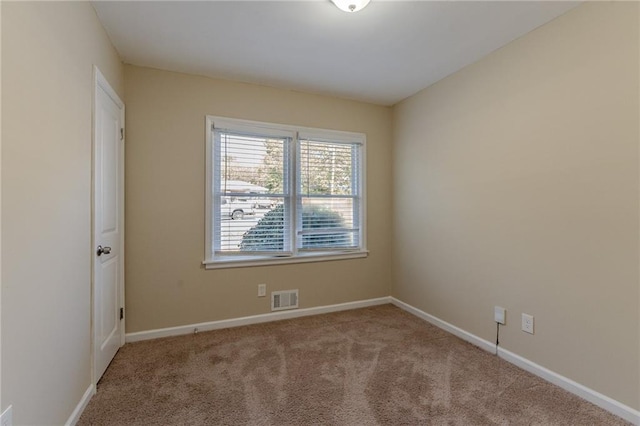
x=6 y=419
x=527 y=323
x=499 y=314
x=262 y=290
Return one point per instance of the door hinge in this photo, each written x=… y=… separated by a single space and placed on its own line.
x=121 y=313
x=121 y=133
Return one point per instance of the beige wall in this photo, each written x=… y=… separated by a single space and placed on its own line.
x=166 y=284
x=48 y=52
x=524 y=170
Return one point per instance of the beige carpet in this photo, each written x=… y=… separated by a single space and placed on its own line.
x=373 y=366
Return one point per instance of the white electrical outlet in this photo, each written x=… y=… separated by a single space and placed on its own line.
x=499 y=314
x=6 y=419
x=262 y=290
x=527 y=323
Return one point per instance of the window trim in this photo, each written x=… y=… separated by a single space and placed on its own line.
x=241 y=260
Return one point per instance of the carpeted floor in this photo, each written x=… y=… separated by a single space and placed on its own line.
x=373 y=366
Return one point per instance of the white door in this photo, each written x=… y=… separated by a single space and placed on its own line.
x=108 y=225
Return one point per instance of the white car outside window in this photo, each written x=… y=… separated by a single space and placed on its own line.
x=234 y=208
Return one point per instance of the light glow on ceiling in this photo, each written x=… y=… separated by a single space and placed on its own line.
x=351 y=6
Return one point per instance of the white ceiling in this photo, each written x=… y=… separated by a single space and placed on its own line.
x=382 y=54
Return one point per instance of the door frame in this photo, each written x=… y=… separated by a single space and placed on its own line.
x=100 y=82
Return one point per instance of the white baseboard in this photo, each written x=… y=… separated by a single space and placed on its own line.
x=456 y=331
x=254 y=319
x=75 y=416
x=602 y=401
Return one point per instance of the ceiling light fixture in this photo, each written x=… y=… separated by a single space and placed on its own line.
x=351 y=5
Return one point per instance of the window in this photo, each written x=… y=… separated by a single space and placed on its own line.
x=278 y=193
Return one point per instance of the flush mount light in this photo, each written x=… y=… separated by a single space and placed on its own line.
x=351 y=5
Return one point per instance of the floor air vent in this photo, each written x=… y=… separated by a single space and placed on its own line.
x=281 y=300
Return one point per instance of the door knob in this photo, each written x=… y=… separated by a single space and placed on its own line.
x=105 y=250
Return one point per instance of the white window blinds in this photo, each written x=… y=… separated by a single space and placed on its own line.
x=251 y=180
x=281 y=192
x=328 y=195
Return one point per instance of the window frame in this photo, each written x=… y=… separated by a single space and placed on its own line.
x=215 y=261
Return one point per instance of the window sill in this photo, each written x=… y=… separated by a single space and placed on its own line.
x=242 y=262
